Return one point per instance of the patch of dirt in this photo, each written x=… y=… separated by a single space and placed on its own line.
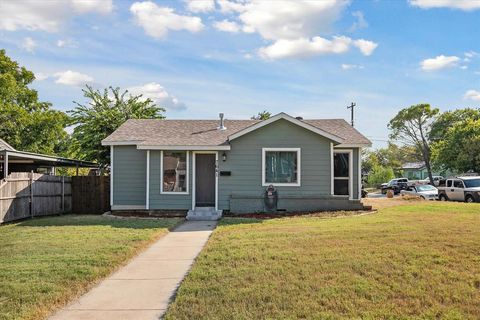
x=379 y=203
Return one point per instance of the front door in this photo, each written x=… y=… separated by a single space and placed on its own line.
x=205 y=180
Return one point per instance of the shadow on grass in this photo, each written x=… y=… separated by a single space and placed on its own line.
x=94 y=220
x=230 y=221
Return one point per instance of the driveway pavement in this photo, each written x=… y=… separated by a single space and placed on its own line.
x=143 y=288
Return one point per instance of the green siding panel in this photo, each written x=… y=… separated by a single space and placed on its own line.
x=129 y=175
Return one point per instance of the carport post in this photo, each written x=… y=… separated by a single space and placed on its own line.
x=5 y=166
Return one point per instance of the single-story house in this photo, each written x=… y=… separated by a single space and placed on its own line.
x=415 y=170
x=228 y=164
x=12 y=160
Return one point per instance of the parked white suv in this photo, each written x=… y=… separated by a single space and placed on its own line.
x=460 y=189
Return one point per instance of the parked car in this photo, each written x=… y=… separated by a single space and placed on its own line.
x=461 y=189
x=396 y=185
x=424 y=191
x=436 y=180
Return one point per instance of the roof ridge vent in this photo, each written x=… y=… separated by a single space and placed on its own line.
x=222 y=122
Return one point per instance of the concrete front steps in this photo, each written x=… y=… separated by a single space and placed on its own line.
x=204 y=214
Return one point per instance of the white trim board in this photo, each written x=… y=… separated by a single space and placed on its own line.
x=194 y=154
x=187 y=175
x=291 y=119
x=147 y=189
x=187 y=148
x=350 y=171
x=121 y=143
x=111 y=177
x=299 y=167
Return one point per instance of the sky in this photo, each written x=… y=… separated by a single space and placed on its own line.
x=202 y=57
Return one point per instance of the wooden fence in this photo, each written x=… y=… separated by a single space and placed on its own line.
x=24 y=195
x=90 y=194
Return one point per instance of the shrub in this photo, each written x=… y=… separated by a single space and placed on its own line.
x=380 y=175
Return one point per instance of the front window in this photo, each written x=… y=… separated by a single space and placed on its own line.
x=281 y=166
x=174 y=171
x=341 y=173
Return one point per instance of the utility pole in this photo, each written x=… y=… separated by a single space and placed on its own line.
x=351 y=106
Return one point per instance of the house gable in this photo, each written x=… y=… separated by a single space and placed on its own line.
x=284 y=116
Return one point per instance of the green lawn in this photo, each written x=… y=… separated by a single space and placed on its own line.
x=46 y=262
x=420 y=260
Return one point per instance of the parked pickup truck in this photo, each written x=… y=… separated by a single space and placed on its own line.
x=396 y=185
x=460 y=189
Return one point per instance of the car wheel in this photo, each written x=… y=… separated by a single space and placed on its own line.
x=469 y=199
x=442 y=197
x=384 y=191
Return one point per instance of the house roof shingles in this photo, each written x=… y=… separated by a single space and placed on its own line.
x=205 y=133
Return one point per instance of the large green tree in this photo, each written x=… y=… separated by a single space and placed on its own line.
x=459 y=149
x=448 y=119
x=412 y=126
x=104 y=112
x=25 y=122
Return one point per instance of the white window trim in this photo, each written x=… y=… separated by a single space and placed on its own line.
x=194 y=156
x=187 y=175
x=350 y=172
x=299 y=167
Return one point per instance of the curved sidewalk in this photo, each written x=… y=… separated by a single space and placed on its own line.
x=143 y=288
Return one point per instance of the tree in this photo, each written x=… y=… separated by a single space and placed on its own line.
x=103 y=114
x=264 y=115
x=379 y=175
x=26 y=123
x=459 y=150
x=448 y=119
x=412 y=126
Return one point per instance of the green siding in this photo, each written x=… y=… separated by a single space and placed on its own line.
x=167 y=201
x=129 y=176
x=244 y=160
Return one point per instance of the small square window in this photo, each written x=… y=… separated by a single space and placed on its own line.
x=281 y=166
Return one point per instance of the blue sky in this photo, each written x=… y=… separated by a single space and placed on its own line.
x=202 y=57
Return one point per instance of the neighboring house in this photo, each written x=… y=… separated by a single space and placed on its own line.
x=227 y=165
x=415 y=170
x=418 y=171
x=12 y=160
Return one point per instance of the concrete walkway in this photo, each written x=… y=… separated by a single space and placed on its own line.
x=143 y=288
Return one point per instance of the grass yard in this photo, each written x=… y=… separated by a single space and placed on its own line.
x=46 y=262
x=411 y=260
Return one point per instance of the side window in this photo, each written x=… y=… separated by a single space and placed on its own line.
x=458 y=184
x=449 y=183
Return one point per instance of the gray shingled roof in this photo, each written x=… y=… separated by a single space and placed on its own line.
x=204 y=132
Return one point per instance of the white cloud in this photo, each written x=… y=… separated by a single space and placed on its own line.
x=41 y=76
x=156 y=21
x=293 y=27
x=471 y=54
x=29 y=44
x=227 y=26
x=466 y=5
x=158 y=94
x=472 y=95
x=439 y=62
x=46 y=15
x=98 y=6
x=66 y=43
x=361 y=23
x=227 y=6
x=200 y=5
x=291 y=19
x=305 y=47
x=351 y=66
x=366 y=47
x=72 y=78
x=464 y=67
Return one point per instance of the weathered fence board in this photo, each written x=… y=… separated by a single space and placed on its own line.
x=24 y=195
x=90 y=194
